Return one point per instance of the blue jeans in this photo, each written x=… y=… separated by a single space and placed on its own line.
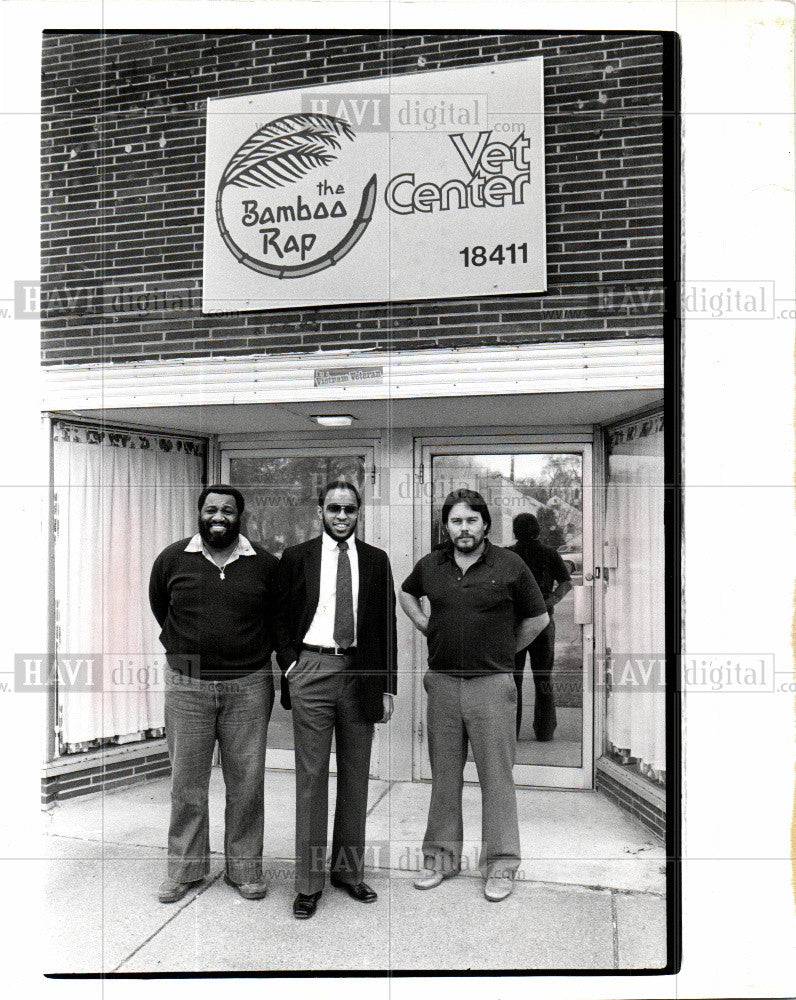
x=236 y=713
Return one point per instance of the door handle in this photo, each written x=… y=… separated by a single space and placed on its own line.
x=582 y=610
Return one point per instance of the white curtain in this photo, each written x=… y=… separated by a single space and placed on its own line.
x=635 y=595
x=120 y=497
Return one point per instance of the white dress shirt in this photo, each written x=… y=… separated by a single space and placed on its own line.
x=321 y=630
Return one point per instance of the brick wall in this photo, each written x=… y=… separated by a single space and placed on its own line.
x=123 y=129
x=650 y=811
x=104 y=770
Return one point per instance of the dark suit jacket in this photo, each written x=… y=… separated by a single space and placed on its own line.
x=298 y=584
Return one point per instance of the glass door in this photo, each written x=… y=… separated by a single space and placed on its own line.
x=281 y=489
x=552 y=482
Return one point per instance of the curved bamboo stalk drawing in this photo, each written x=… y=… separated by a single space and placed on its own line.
x=280 y=153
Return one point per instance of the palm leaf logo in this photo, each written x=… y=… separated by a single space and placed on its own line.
x=280 y=153
x=286 y=149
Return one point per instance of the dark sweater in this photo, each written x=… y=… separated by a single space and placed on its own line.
x=224 y=626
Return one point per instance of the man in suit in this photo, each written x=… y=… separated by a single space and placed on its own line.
x=336 y=645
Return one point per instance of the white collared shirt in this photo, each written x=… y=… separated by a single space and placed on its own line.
x=243 y=548
x=321 y=631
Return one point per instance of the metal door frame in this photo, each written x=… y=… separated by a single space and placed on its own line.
x=549 y=442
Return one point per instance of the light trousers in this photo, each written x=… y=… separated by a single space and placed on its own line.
x=480 y=711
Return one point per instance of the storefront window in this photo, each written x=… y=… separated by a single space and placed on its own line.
x=634 y=597
x=281 y=494
x=119 y=498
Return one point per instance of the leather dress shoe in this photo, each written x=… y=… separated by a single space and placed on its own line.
x=249 y=890
x=360 y=891
x=304 y=905
x=172 y=892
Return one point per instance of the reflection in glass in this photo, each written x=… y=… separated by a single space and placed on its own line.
x=281 y=494
x=549 y=486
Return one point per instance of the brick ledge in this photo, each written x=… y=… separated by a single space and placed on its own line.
x=126 y=753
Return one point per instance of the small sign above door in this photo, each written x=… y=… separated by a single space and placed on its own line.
x=373 y=374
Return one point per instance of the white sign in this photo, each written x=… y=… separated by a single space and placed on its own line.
x=402 y=187
x=349 y=376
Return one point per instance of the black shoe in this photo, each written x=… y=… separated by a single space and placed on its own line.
x=362 y=892
x=304 y=905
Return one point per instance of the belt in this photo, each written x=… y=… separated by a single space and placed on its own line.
x=330 y=650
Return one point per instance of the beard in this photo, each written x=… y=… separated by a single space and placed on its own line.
x=344 y=532
x=339 y=533
x=215 y=539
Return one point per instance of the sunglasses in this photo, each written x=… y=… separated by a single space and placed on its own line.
x=336 y=508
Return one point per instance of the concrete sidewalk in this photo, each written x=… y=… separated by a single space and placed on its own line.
x=590 y=892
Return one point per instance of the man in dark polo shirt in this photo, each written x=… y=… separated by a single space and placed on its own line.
x=213 y=596
x=485 y=605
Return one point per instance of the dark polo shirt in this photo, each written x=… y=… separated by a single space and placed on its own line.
x=473 y=615
x=545 y=563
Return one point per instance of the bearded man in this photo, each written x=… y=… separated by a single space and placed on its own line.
x=213 y=596
x=484 y=606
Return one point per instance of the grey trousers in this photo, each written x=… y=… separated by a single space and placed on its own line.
x=481 y=711
x=324 y=699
